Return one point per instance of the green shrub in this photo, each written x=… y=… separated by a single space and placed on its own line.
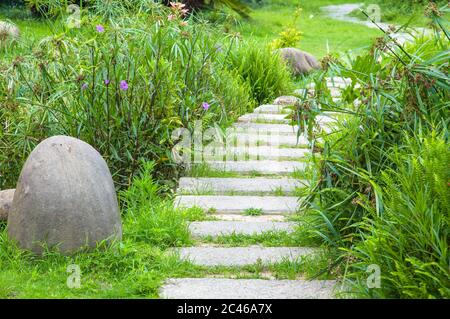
x=357 y=202
x=157 y=72
x=410 y=241
x=263 y=70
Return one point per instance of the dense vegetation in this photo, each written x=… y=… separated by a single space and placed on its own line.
x=136 y=70
x=126 y=85
x=383 y=197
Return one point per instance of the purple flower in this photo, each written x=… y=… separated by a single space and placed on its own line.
x=100 y=28
x=107 y=81
x=84 y=86
x=205 y=106
x=123 y=85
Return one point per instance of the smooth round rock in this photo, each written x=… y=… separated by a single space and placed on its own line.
x=300 y=62
x=65 y=197
x=6 y=198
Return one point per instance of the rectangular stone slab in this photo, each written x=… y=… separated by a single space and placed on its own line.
x=263 y=128
x=247 y=218
x=264 y=139
x=256 y=152
x=238 y=204
x=271 y=118
x=223 y=288
x=239 y=185
x=241 y=256
x=262 y=167
x=271 y=109
x=220 y=228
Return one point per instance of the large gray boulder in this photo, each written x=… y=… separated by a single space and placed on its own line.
x=6 y=198
x=8 y=32
x=65 y=197
x=299 y=61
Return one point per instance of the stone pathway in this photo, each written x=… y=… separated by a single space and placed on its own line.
x=231 y=200
x=342 y=12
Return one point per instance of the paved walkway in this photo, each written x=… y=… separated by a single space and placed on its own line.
x=271 y=194
x=342 y=12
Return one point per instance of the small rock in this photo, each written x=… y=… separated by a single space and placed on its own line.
x=6 y=198
x=286 y=100
x=65 y=198
x=300 y=62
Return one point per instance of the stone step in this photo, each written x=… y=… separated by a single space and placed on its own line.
x=219 y=228
x=239 y=185
x=238 y=204
x=247 y=218
x=286 y=100
x=325 y=119
x=241 y=256
x=242 y=153
x=261 y=167
x=263 y=128
x=222 y=288
x=271 y=109
x=261 y=118
x=264 y=139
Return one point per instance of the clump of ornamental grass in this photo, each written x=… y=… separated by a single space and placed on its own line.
x=353 y=204
x=123 y=88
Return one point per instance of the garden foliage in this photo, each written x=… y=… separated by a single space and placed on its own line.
x=381 y=189
x=124 y=86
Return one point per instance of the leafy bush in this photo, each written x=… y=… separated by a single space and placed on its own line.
x=410 y=240
x=354 y=203
x=123 y=89
x=263 y=71
x=290 y=36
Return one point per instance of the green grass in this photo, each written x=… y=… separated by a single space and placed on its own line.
x=133 y=268
x=414 y=17
x=267 y=239
x=32 y=30
x=305 y=267
x=204 y=170
x=253 y=212
x=321 y=34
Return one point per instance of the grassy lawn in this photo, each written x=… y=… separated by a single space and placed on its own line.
x=415 y=18
x=320 y=34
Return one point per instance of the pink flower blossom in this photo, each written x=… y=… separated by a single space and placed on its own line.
x=100 y=28
x=171 y=17
x=205 y=106
x=123 y=85
x=179 y=7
